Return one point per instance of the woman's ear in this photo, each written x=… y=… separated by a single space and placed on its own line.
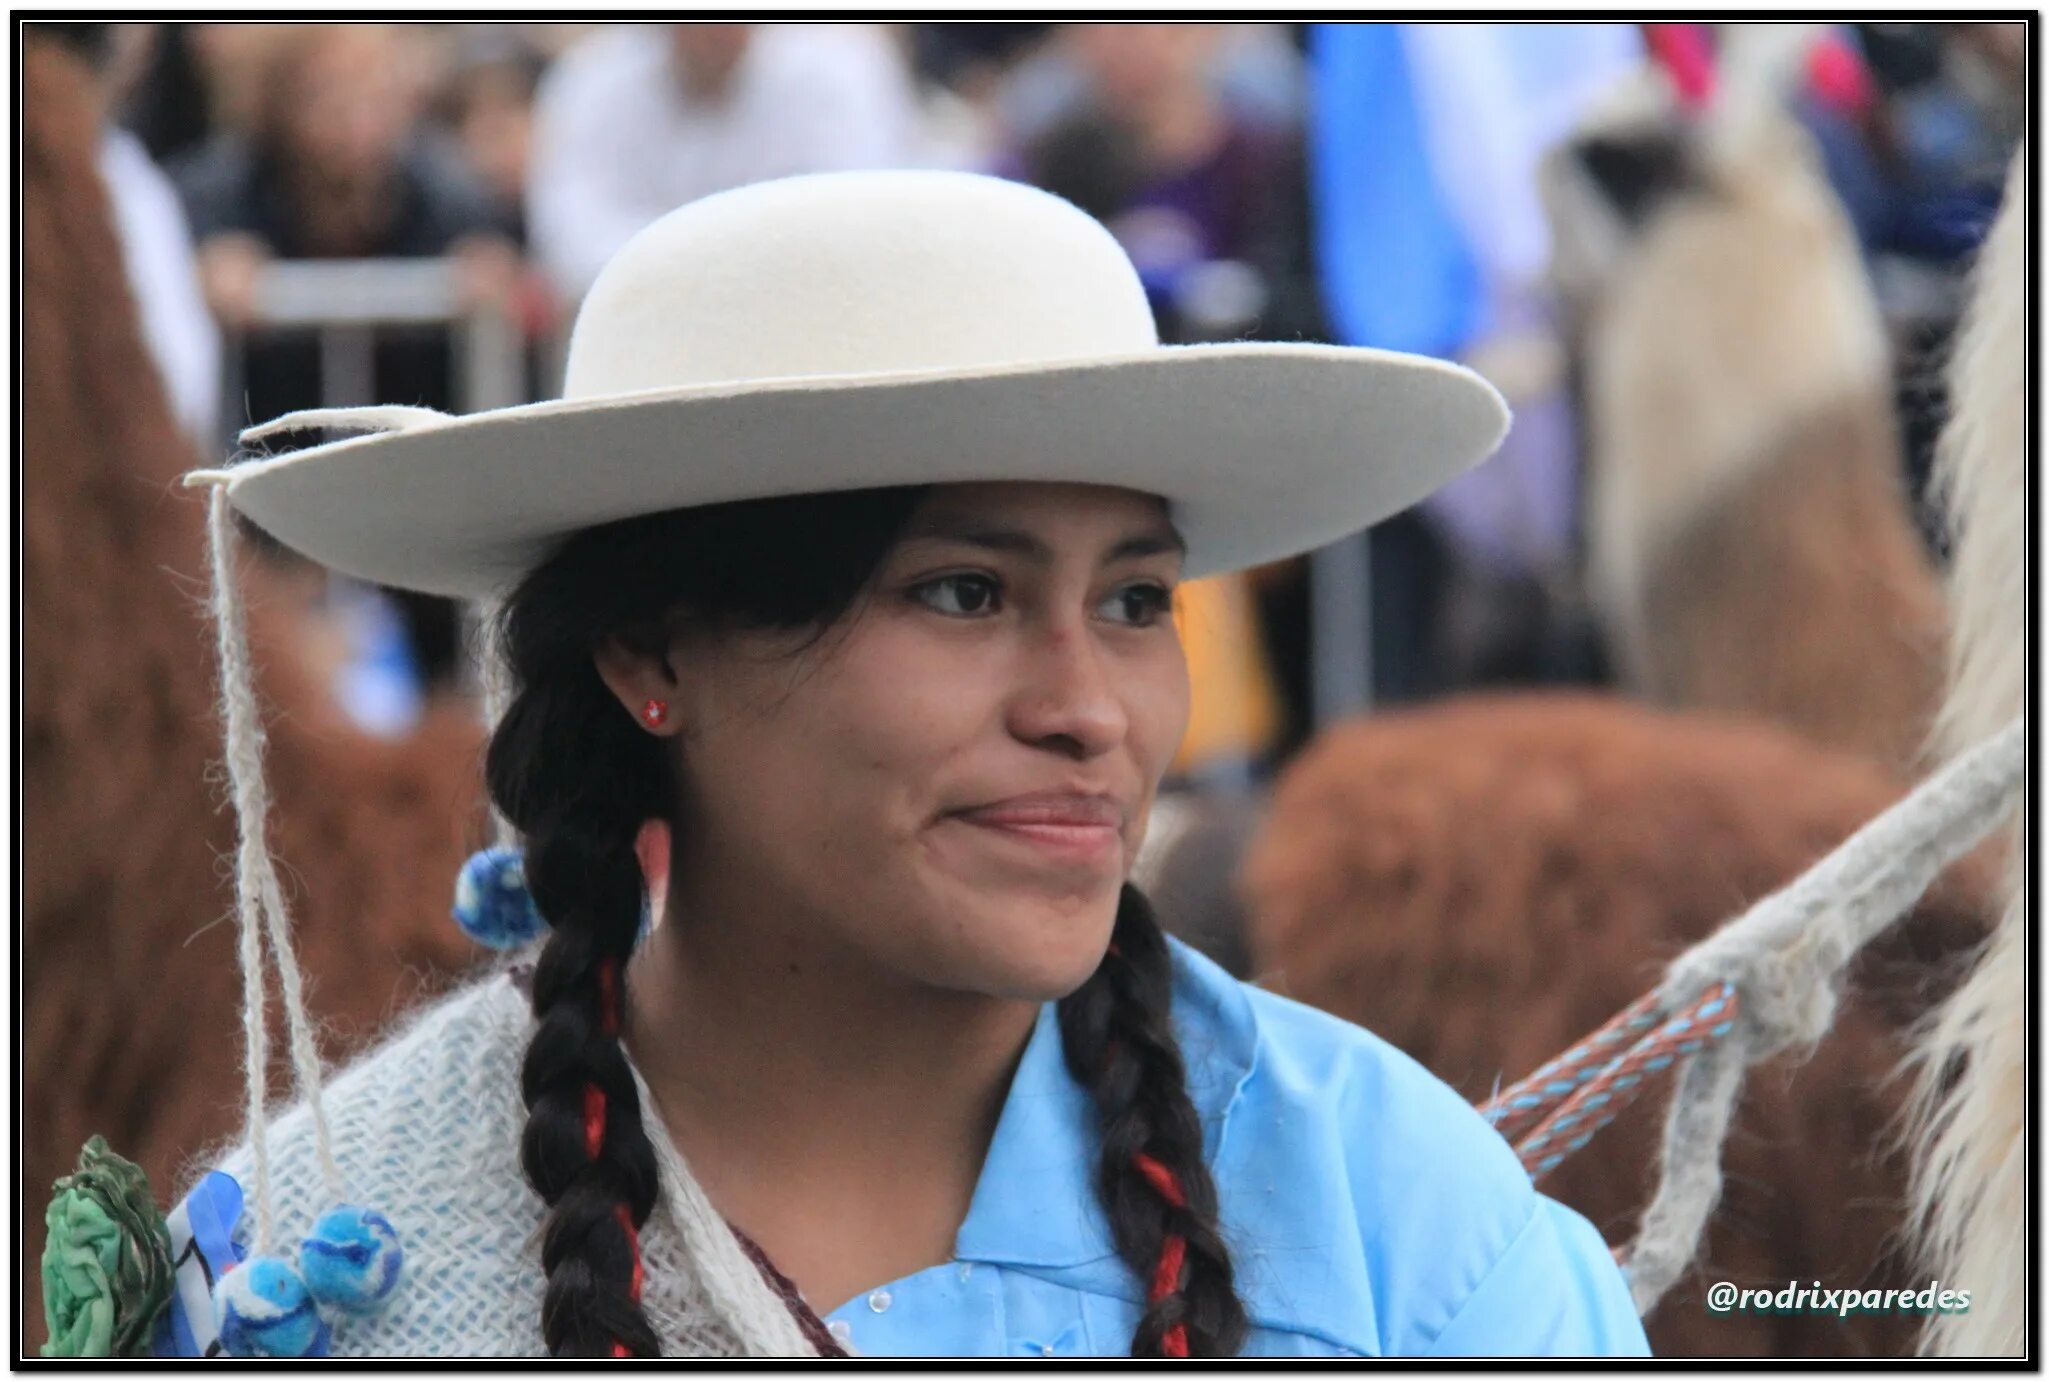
x=643 y=678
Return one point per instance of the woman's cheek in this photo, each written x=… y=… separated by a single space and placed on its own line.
x=1159 y=710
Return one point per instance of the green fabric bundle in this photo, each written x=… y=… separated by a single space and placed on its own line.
x=107 y=1263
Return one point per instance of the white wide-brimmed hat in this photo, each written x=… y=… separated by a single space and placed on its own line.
x=849 y=330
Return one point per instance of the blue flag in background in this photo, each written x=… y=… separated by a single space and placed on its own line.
x=1396 y=270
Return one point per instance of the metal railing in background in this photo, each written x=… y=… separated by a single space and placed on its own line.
x=345 y=301
x=1340 y=630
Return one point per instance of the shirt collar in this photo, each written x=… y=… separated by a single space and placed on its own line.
x=1035 y=1204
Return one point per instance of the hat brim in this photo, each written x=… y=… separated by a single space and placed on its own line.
x=1262 y=450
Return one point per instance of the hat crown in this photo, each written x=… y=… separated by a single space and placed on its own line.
x=856 y=273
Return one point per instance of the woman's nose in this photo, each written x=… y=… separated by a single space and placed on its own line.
x=1068 y=700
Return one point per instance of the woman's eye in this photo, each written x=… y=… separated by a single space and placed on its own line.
x=1141 y=605
x=962 y=595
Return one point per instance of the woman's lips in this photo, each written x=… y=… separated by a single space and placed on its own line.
x=1068 y=827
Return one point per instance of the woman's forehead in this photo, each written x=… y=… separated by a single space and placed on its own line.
x=1048 y=506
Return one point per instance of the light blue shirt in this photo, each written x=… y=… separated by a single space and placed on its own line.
x=1369 y=1210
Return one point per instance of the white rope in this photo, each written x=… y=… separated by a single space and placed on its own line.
x=259 y=899
x=494 y=685
x=1784 y=957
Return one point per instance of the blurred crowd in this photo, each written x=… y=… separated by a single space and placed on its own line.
x=1369 y=184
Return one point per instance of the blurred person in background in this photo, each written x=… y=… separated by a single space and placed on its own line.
x=168 y=108
x=1205 y=196
x=638 y=119
x=976 y=61
x=485 y=99
x=1256 y=70
x=1917 y=123
x=199 y=81
x=337 y=165
x=965 y=73
x=1207 y=200
x=483 y=102
x=156 y=243
x=1916 y=142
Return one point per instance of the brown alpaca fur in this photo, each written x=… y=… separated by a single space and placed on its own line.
x=1751 y=546
x=130 y=990
x=1741 y=601
x=1486 y=881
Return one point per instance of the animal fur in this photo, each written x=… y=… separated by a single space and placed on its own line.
x=1751 y=546
x=131 y=990
x=1485 y=881
x=1970 y=1175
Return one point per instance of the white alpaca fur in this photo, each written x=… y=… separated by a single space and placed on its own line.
x=1971 y=1154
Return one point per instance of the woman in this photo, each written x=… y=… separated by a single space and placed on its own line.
x=850 y=557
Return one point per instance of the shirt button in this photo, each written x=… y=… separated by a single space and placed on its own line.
x=1046 y=1350
x=879 y=1301
x=841 y=1330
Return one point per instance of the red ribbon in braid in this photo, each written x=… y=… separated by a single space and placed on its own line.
x=594 y=1125
x=1173 y=1251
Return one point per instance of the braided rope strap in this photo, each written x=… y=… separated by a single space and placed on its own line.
x=1557 y=1110
x=1519 y=1108
x=1764 y=983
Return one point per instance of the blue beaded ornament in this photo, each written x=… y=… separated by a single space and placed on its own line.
x=492 y=904
x=351 y=1260
x=264 y=1310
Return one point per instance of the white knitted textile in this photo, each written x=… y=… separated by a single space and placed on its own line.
x=426 y=1129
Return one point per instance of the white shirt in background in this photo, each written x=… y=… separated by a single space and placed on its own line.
x=156 y=247
x=618 y=142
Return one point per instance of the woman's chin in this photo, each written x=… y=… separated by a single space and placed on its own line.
x=1022 y=948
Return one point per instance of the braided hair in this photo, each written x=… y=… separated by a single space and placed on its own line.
x=1151 y=1177
x=573 y=772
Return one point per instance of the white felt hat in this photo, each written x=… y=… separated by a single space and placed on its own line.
x=847 y=330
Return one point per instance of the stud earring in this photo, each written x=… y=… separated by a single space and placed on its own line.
x=655 y=714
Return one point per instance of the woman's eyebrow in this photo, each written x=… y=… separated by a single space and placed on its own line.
x=1167 y=541
x=1021 y=543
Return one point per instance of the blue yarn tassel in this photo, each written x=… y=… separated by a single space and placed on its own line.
x=263 y=1310
x=351 y=1260
x=492 y=904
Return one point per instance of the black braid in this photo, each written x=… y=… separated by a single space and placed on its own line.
x=1118 y=1043
x=577 y=778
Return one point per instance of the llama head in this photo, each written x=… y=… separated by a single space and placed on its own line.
x=1716 y=292
x=1709 y=215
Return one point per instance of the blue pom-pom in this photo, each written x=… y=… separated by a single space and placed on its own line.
x=492 y=904
x=351 y=1260
x=263 y=1310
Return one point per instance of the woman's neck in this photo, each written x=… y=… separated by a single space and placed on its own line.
x=836 y=1112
